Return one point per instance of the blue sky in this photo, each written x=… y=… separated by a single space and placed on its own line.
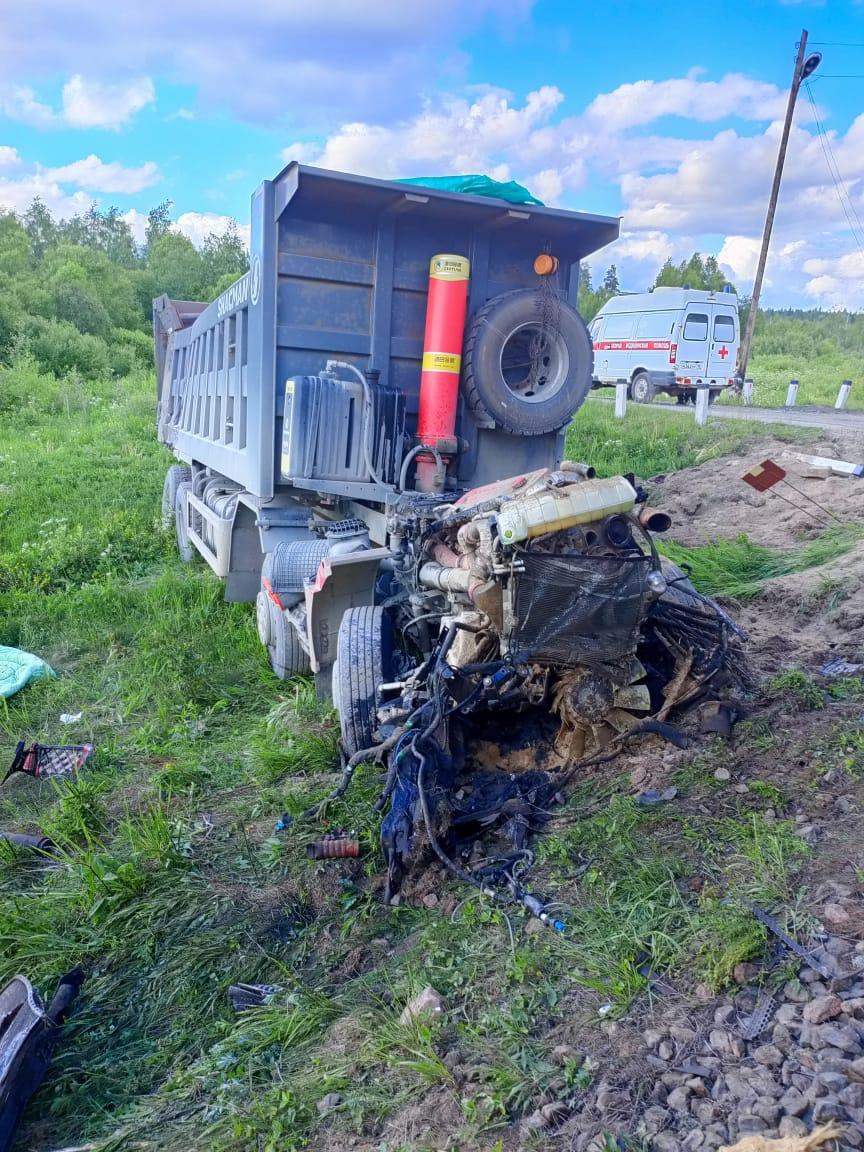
x=668 y=115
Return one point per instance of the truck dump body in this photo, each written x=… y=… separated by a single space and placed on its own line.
x=339 y=268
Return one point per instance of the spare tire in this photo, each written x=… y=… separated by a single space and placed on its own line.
x=497 y=378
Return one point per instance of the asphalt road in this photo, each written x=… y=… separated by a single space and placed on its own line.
x=830 y=419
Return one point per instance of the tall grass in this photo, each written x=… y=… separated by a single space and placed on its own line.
x=739 y=568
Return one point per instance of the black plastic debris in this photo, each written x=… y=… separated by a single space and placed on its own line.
x=243 y=996
x=37 y=843
x=49 y=760
x=28 y=1033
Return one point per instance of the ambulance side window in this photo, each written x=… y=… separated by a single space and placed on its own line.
x=655 y=326
x=724 y=329
x=619 y=327
x=595 y=328
x=696 y=326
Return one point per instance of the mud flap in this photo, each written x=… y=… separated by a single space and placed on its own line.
x=341 y=582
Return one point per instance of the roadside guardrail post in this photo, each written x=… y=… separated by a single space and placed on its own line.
x=791 y=394
x=703 y=398
x=621 y=399
x=748 y=392
x=843 y=394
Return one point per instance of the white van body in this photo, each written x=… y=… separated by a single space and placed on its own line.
x=671 y=340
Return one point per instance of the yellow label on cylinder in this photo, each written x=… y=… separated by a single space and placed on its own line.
x=446 y=267
x=441 y=362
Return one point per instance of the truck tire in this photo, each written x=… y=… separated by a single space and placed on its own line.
x=287 y=655
x=496 y=379
x=184 y=544
x=176 y=475
x=364 y=659
x=641 y=389
x=714 y=394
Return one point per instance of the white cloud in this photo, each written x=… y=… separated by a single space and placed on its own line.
x=90 y=104
x=266 y=61
x=199 y=225
x=69 y=189
x=690 y=97
x=93 y=174
x=85 y=104
x=456 y=136
x=9 y=158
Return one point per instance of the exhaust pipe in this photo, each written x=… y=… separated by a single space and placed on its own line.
x=655 y=521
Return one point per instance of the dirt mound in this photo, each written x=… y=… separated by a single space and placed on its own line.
x=711 y=501
x=802 y=619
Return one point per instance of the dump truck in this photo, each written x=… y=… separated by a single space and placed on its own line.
x=369 y=428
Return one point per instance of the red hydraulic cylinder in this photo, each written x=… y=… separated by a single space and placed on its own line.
x=442 y=358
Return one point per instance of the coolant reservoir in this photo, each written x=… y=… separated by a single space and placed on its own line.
x=559 y=508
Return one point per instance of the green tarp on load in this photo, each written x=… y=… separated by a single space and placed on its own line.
x=510 y=191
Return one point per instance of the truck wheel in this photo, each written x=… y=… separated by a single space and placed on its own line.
x=498 y=379
x=641 y=389
x=184 y=544
x=713 y=394
x=287 y=655
x=176 y=475
x=364 y=659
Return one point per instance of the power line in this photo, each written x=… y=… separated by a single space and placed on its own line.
x=838 y=43
x=846 y=202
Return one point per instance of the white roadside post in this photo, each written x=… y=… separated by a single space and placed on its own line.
x=791 y=394
x=843 y=394
x=748 y=392
x=621 y=399
x=703 y=398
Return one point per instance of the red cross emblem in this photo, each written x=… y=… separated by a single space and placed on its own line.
x=723 y=352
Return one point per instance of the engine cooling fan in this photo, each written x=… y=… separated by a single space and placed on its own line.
x=597 y=704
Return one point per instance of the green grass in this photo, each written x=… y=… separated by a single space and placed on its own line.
x=172 y=884
x=819 y=377
x=650 y=440
x=738 y=568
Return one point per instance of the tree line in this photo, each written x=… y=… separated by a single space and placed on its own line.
x=76 y=295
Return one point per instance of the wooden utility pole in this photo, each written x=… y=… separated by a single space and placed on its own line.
x=797 y=76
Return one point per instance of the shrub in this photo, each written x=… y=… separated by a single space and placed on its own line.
x=58 y=347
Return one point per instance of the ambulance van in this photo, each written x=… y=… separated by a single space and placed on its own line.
x=671 y=340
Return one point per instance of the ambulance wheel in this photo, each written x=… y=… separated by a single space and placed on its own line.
x=364 y=660
x=641 y=389
x=287 y=655
x=184 y=544
x=176 y=475
x=525 y=392
x=714 y=394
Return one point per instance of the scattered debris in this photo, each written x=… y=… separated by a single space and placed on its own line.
x=28 y=1033
x=333 y=848
x=816 y=1139
x=49 y=760
x=827 y=464
x=766 y=1006
x=793 y=945
x=329 y=1103
x=243 y=996
x=70 y=717
x=18 y=668
x=425 y=1003
x=42 y=844
x=838 y=668
x=604 y=1009
x=647 y=799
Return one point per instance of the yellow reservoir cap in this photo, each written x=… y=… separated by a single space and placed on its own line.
x=449 y=267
